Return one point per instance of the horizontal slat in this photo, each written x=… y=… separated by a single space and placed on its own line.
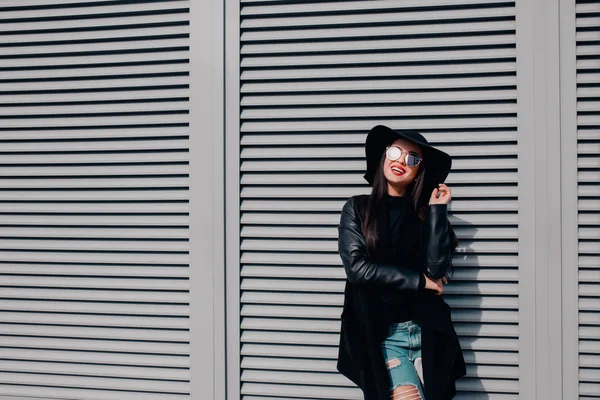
x=93 y=195
x=589 y=304
x=82 y=393
x=590 y=247
x=358 y=85
x=81 y=147
x=465 y=138
x=414 y=124
x=87 y=121
x=147 y=295
x=377 y=31
x=302 y=391
x=96 y=370
x=156 y=335
x=284 y=232
x=589 y=148
x=461 y=222
x=335 y=299
x=86 y=382
x=158 y=45
x=382 y=98
x=388 y=111
x=95 y=283
x=95 y=270
x=92 y=171
x=334 y=259
x=303 y=205
x=585 y=8
x=75 y=183
x=129 y=212
x=123 y=84
x=322 y=312
x=170 y=310
x=129 y=225
x=504 y=246
x=94 y=357
x=95 y=35
x=264 y=153
x=346 y=192
x=95 y=245
x=13 y=100
x=330 y=353
x=249 y=9
x=589 y=361
x=371 y=18
x=297 y=311
x=78 y=110
x=68 y=59
x=91 y=9
x=95 y=345
x=28 y=252
x=589 y=318
x=298 y=378
x=589 y=333
x=317 y=326
x=471 y=274
x=323 y=392
x=357 y=179
x=352 y=45
x=81 y=157
x=130 y=321
x=287 y=364
x=422 y=55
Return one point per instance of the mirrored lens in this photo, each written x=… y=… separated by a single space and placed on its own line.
x=412 y=160
x=393 y=153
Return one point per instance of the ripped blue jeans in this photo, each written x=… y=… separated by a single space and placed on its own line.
x=400 y=350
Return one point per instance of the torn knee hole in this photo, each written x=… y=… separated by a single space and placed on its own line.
x=406 y=392
x=392 y=363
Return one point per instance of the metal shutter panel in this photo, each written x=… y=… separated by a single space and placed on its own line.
x=94 y=256
x=588 y=124
x=315 y=77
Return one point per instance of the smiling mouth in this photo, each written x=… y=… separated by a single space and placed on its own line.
x=398 y=171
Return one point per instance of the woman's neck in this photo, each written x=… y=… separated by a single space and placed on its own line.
x=396 y=191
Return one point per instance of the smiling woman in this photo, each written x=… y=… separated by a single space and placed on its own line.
x=396 y=245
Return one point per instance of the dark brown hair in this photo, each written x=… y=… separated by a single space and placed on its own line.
x=419 y=202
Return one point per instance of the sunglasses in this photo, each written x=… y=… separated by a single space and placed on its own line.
x=394 y=153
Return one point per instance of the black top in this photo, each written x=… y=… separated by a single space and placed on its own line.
x=396 y=206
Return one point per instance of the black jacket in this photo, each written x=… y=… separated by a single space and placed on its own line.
x=372 y=281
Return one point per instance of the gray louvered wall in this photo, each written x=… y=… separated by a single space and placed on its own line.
x=315 y=77
x=588 y=122
x=94 y=297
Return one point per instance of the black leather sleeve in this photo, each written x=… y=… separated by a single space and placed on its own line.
x=439 y=246
x=360 y=270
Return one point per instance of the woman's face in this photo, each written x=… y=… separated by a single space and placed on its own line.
x=398 y=174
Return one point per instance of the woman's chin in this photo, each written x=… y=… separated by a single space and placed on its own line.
x=396 y=181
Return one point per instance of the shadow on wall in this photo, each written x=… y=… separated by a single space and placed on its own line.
x=464 y=298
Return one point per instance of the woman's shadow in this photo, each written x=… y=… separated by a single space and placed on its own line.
x=484 y=315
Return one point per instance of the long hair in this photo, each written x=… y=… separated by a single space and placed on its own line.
x=419 y=203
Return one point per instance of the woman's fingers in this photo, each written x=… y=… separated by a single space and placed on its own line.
x=434 y=284
x=441 y=194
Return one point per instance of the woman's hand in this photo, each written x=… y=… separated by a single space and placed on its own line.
x=445 y=195
x=436 y=285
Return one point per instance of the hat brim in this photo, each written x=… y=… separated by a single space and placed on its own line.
x=438 y=163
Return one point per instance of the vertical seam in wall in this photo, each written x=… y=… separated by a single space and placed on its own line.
x=224 y=193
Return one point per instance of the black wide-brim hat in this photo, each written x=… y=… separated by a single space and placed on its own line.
x=437 y=162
